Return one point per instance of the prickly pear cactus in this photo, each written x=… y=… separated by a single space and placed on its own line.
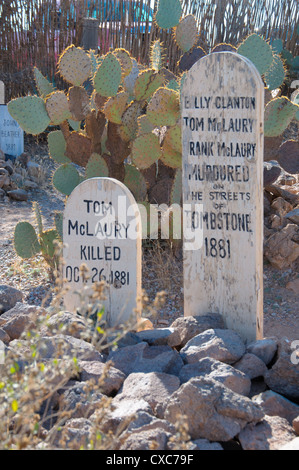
x=28 y=243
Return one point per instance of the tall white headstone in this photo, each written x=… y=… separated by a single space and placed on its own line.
x=222 y=143
x=102 y=231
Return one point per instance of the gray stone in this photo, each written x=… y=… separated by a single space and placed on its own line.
x=80 y=401
x=204 y=444
x=75 y=434
x=222 y=345
x=120 y=414
x=156 y=439
x=293 y=216
x=108 y=379
x=18 y=195
x=32 y=311
x=58 y=347
x=144 y=358
x=274 y=404
x=251 y=365
x=64 y=323
x=160 y=336
x=9 y=296
x=264 y=348
x=283 y=377
x=235 y=380
x=271 y=433
x=213 y=411
x=153 y=387
x=4 y=336
x=191 y=326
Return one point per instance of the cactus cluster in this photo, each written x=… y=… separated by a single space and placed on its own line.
x=28 y=242
x=121 y=119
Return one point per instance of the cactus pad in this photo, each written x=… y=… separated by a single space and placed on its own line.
x=129 y=81
x=277 y=46
x=170 y=156
x=94 y=127
x=168 y=14
x=147 y=83
x=96 y=166
x=186 y=33
x=25 y=240
x=129 y=127
x=278 y=115
x=75 y=65
x=189 y=58
x=136 y=183
x=37 y=216
x=224 y=47
x=144 y=125
x=43 y=85
x=174 y=137
x=288 y=156
x=78 y=103
x=57 y=107
x=108 y=77
x=78 y=148
x=57 y=147
x=30 y=113
x=164 y=107
x=48 y=247
x=115 y=107
x=66 y=178
x=125 y=61
x=275 y=75
x=145 y=150
x=176 y=190
x=258 y=51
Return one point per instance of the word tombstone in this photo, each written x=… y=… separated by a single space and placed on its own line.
x=102 y=242
x=222 y=142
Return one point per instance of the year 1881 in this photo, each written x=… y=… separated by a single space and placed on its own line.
x=215 y=248
x=117 y=278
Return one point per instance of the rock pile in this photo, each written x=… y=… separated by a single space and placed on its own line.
x=18 y=177
x=195 y=372
x=281 y=211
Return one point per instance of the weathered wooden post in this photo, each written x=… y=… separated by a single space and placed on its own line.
x=90 y=34
x=102 y=232
x=222 y=142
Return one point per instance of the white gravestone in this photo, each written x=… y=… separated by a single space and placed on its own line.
x=222 y=143
x=102 y=230
x=11 y=134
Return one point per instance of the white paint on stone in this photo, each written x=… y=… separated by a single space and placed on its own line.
x=222 y=143
x=102 y=230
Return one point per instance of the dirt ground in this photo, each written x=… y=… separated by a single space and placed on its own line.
x=161 y=270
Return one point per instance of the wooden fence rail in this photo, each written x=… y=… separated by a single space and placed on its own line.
x=35 y=32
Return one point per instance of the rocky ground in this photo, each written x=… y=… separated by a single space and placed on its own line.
x=161 y=270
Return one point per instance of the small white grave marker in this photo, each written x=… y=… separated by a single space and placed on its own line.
x=102 y=230
x=222 y=138
x=11 y=134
